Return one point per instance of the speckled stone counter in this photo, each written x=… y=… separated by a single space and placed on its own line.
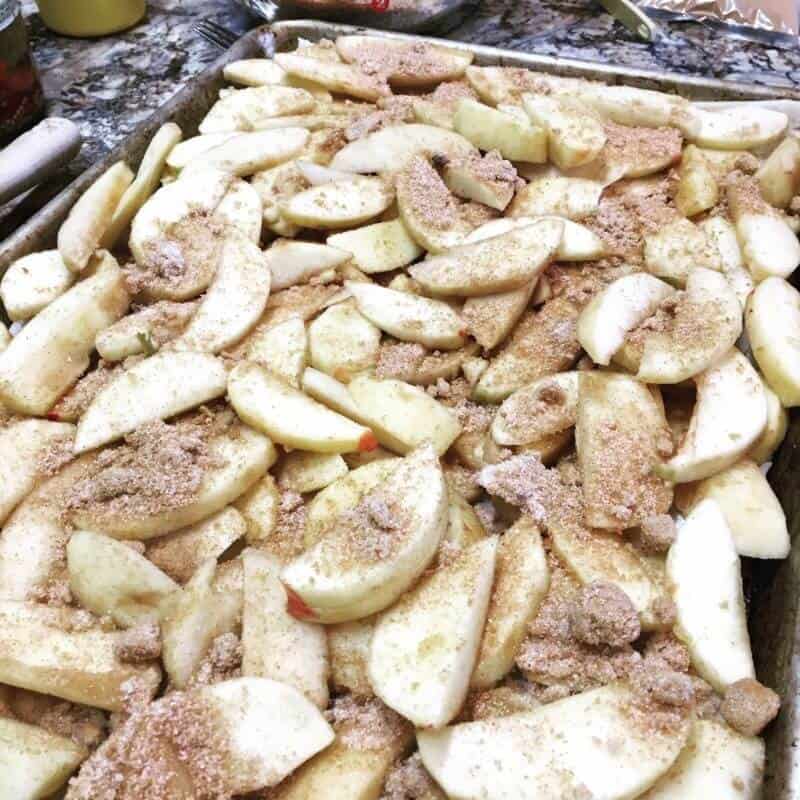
x=110 y=85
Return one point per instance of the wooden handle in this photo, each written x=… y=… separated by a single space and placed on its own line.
x=30 y=158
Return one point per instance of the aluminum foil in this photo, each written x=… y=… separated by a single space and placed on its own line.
x=766 y=17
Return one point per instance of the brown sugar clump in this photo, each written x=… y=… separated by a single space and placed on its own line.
x=159 y=467
x=139 y=644
x=748 y=706
x=662 y=685
x=656 y=534
x=604 y=614
x=408 y=780
x=365 y=723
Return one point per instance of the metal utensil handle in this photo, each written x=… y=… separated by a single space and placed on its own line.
x=633 y=18
x=265 y=9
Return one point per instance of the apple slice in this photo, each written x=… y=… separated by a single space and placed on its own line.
x=429 y=211
x=491 y=318
x=586 y=743
x=174 y=233
x=424 y=649
x=249 y=153
x=703 y=567
x=51 y=352
x=180 y=554
x=342 y=495
x=241 y=209
x=522 y=578
x=578 y=243
x=490 y=180
x=502 y=263
x=769 y=245
x=549 y=193
x=316 y=174
x=275 y=187
x=716 y=762
x=774 y=432
x=265 y=72
x=779 y=175
x=730 y=414
x=722 y=235
x=489 y=129
x=403 y=416
x=706 y=324
x=751 y=509
x=349 y=573
x=677 y=249
x=304 y=472
x=773 y=327
x=391 y=148
x=283 y=349
x=275 y=644
x=184 y=152
x=108 y=577
x=292 y=263
x=616 y=310
x=339 y=78
x=550 y=333
x=620 y=433
x=574 y=136
x=409 y=318
x=234 y=302
x=22 y=444
x=35 y=763
x=544 y=407
x=50 y=650
x=741 y=128
x=380 y=247
x=289 y=417
x=91 y=216
x=5 y=336
x=32 y=282
x=339 y=205
x=343 y=341
x=259 y=507
x=348 y=646
x=159 y=387
x=697 y=187
x=240 y=456
x=147 y=179
x=244 y=109
x=407 y=64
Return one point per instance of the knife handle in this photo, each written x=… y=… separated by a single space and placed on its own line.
x=34 y=155
x=633 y=18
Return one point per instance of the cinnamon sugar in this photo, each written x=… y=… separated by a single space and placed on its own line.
x=57 y=454
x=450 y=93
x=74 y=403
x=638 y=147
x=428 y=195
x=408 y=780
x=399 y=360
x=222 y=662
x=159 y=467
x=364 y=723
x=139 y=644
x=374 y=529
x=286 y=541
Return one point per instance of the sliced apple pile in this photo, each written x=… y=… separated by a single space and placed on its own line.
x=159 y=387
x=707 y=322
x=703 y=568
x=616 y=310
x=372 y=554
x=720 y=431
x=289 y=417
x=586 y=743
x=392 y=147
x=33 y=282
x=51 y=352
x=246 y=109
x=424 y=649
x=81 y=233
x=773 y=327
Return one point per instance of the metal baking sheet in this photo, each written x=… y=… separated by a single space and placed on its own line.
x=773 y=588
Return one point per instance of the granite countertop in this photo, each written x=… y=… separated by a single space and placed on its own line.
x=110 y=85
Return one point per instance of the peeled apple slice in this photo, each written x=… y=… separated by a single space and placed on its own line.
x=380 y=247
x=408 y=317
x=772 y=318
x=391 y=148
x=337 y=77
x=500 y=264
x=291 y=418
x=295 y=262
x=588 y=744
x=32 y=282
x=703 y=568
x=616 y=310
x=349 y=573
x=159 y=387
x=245 y=109
x=729 y=415
x=424 y=648
x=742 y=128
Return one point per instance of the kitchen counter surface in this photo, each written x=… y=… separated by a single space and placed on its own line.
x=110 y=85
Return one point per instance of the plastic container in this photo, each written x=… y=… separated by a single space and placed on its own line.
x=90 y=17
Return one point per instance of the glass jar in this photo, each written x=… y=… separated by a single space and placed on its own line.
x=21 y=99
x=91 y=17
